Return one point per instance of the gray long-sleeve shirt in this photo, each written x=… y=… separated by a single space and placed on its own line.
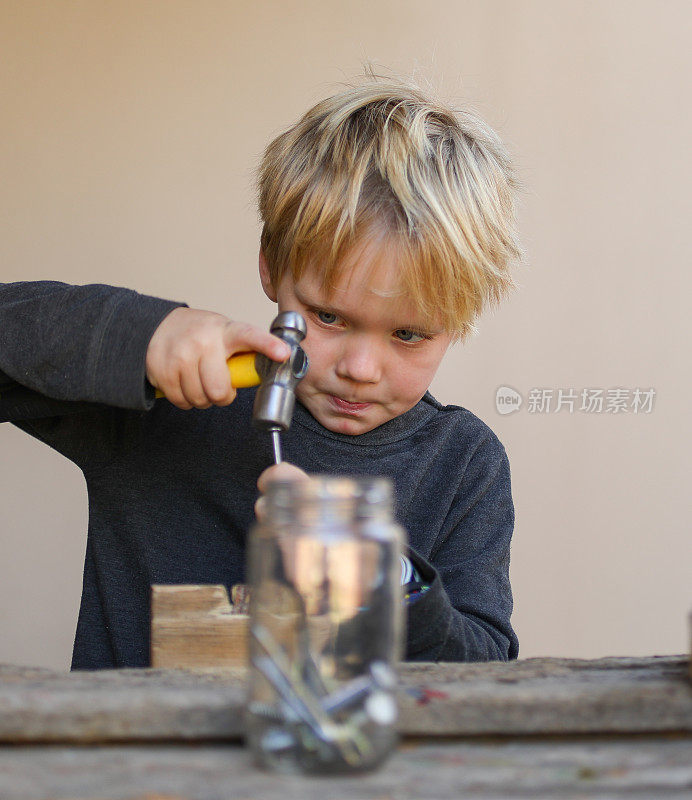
x=171 y=492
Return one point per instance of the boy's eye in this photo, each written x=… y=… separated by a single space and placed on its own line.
x=407 y=335
x=327 y=317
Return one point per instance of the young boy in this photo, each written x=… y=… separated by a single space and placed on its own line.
x=388 y=223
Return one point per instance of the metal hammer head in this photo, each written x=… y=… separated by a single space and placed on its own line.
x=275 y=398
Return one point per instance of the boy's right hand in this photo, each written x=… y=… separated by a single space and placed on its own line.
x=186 y=357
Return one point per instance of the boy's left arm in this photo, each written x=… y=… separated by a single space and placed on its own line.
x=465 y=614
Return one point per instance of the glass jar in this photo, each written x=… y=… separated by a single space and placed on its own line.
x=325 y=626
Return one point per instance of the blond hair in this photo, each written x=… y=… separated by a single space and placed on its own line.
x=384 y=156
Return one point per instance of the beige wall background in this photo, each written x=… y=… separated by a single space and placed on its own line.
x=129 y=134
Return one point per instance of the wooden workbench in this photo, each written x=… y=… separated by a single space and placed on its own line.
x=612 y=728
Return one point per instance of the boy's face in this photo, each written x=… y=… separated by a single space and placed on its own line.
x=372 y=358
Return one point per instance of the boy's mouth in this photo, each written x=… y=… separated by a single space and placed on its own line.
x=344 y=406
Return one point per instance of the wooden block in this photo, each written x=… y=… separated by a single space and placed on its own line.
x=195 y=627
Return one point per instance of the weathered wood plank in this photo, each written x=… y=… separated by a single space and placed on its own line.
x=531 y=697
x=648 y=769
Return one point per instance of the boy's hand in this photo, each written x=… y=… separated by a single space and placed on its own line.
x=186 y=357
x=277 y=472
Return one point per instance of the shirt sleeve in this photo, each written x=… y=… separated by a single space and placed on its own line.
x=79 y=343
x=465 y=614
x=72 y=362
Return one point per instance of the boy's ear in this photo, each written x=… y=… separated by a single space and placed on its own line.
x=267 y=284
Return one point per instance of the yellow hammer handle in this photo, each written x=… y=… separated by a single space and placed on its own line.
x=243 y=372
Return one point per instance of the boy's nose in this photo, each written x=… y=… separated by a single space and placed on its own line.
x=359 y=361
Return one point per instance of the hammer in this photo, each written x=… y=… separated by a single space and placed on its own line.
x=275 y=398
